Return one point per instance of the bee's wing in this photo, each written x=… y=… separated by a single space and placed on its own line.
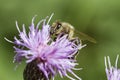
x=84 y=36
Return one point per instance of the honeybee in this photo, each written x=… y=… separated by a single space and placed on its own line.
x=66 y=28
x=62 y=28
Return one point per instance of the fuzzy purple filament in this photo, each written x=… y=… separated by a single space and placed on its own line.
x=113 y=73
x=52 y=56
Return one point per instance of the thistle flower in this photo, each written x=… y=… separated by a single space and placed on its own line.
x=45 y=57
x=113 y=73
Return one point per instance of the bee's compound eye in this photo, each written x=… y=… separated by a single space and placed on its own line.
x=58 y=26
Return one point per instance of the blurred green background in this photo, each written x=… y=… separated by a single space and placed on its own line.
x=97 y=18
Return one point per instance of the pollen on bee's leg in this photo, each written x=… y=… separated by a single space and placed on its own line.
x=32 y=72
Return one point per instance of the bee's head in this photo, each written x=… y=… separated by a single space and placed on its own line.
x=56 y=28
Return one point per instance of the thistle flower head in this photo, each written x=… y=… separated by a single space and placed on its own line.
x=49 y=56
x=112 y=72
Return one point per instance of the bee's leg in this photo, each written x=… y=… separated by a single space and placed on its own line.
x=76 y=40
x=61 y=34
x=70 y=34
x=55 y=36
